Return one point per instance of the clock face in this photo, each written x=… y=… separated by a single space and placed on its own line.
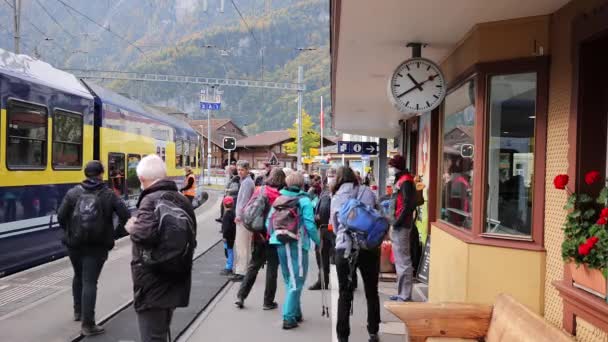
x=417 y=86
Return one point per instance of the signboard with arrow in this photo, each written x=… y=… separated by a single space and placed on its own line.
x=358 y=147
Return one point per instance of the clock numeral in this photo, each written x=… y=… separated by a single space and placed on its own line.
x=428 y=68
x=435 y=96
x=407 y=103
x=397 y=85
x=439 y=86
x=407 y=67
x=400 y=75
x=428 y=104
x=417 y=105
x=418 y=65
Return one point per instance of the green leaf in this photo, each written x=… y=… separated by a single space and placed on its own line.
x=603 y=197
x=588 y=214
x=584 y=198
x=575 y=214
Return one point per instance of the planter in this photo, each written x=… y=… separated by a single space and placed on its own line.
x=588 y=279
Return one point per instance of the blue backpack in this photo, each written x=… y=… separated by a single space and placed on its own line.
x=365 y=224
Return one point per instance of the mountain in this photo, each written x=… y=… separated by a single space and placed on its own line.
x=179 y=37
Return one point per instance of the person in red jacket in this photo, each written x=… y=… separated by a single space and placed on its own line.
x=263 y=252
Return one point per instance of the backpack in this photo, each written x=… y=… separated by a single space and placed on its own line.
x=87 y=225
x=255 y=211
x=285 y=220
x=389 y=204
x=173 y=253
x=323 y=209
x=365 y=224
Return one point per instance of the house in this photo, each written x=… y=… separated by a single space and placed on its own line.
x=220 y=128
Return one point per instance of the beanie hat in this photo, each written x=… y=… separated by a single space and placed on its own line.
x=93 y=168
x=397 y=162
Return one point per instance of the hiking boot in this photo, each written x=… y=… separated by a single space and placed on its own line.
x=315 y=287
x=270 y=306
x=342 y=339
x=299 y=319
x=237 y=278
x=287 y=325
x=240 y=303
x=91 y=330
x=226 y=272
x=399 y=299
x=374 y=338
x=218 y=220
x=77 y=317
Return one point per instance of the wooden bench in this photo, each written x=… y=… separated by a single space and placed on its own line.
x=505 y=321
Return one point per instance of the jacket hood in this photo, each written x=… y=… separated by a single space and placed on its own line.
x=292 y=192
x=93 y=184
x=272 y=193
x=160 y=185
x=347 y=189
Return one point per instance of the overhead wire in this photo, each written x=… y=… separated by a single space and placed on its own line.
x=53 y=19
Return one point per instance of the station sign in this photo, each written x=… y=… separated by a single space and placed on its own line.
x=358 y=147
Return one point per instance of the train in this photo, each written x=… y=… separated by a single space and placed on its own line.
x=51 y=125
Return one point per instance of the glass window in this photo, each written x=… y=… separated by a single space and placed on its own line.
x=116 y=171
x=458 y=152
x=67 y=140
x=178 y=153
x=133 y=185
x=511 y=126
x=193 y=154
x=26 y=136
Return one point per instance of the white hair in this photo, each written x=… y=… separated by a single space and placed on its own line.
x=151 y=168
x=287 y=171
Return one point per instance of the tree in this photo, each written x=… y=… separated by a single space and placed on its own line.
x=310 y=138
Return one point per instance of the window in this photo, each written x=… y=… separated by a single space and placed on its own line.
x=26 y=137
x=186 y=152
x=133 y=185
x=193 y=153
x=510 y=159
x=458 y=152
x=116 y=171
x=67 y=140
x=179 y=153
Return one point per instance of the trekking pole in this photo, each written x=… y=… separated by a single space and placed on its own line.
x=324 y=306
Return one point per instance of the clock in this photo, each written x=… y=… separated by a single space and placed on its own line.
x=417 y=86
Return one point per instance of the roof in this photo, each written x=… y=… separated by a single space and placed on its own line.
x=268 y=138
x=169 y=110
x=215 y=124
x=37 y=71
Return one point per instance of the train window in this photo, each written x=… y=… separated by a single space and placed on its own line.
x=179 y=153
x=67 y=140
x=193 y=154
x=133 y=185
x=26 y=135
x=186 y=149
x=116 y=170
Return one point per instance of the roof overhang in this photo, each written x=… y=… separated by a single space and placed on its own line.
x=368 y=41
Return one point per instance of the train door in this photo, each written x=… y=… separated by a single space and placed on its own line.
x=116 y=172
x=133 y=185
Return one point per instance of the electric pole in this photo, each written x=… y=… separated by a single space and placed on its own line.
x=17 y=14
x=300 y=95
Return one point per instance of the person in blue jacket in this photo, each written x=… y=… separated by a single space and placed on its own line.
x=295 y=266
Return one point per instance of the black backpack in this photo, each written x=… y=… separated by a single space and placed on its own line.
x=173 y=253
x=323 y=209
x=255 y=212
x=87 y=225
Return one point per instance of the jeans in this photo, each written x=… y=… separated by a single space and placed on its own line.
x=368 y=264
x=323 y=253
x=294 y=282
x=87 y=268
x=403 y=261
x=154 y=324
x=263 y=253
x=229 y=256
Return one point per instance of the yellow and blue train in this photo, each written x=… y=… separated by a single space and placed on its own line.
x=51 y=124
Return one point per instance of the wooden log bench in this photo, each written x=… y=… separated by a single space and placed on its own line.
x=505 y=321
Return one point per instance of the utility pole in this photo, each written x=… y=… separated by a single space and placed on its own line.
x=209 y=137
x=300 y=98
x=17 y=14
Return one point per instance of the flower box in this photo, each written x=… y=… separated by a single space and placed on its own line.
x=588 y=279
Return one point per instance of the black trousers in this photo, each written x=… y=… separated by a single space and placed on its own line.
x=368 y=264
x=154 y=324
x=87 y=268
x=323 y=253
x=262 y=253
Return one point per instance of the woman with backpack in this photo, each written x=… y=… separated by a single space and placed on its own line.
x=291 y=224
x=349 y=257
x=323 y=252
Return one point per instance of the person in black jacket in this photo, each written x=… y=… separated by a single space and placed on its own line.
x=88 y=257
x=155 y=294
x=401 y=233
x=228 y=234
x=323 y=252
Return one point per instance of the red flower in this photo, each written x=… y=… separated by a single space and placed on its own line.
x=592 y=177
x=584 y=249
x=604 y=213
x=593 y=240
x=560 y=181
x=602 y=221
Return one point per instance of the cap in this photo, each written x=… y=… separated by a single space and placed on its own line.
x=397 y=162
x=93 y=168
x=228 y=200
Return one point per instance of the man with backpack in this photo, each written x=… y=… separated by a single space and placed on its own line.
x=86 y=217
x=401 y=235
x=242 y=244
x=164 y=238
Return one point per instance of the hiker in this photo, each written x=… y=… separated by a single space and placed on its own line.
x=228 y=234
x=242 y=243
x=261 y=179
x=232 y=189
x=323 y=252
x=367 y=261
x=263 y=252
x=189 y=189
x=401 y=233
x=161 y=280
x=86 y=216
x=292 y=234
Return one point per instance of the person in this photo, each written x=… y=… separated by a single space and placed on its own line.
x=323 y=252
x=88 y=254
x=263 y=252
x=242 y=243
x=367 y=261
x=232 y=189
x=259 y=180
x=228 y=234
x=401 y=233
x=189 y=189
x=155 y=294
x=293 y=256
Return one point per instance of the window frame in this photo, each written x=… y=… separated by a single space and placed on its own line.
x=129 y=155
x=482 y=73
x=7 y=136
x=181 y=164
x=124 y=193
x=68 y=168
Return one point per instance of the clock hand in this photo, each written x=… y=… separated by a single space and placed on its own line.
x=418 y=85
x=408 y=91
